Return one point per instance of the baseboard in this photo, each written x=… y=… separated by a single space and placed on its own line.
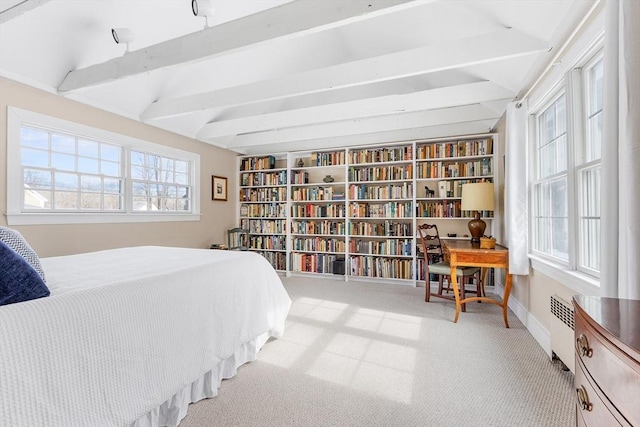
x=533 y=325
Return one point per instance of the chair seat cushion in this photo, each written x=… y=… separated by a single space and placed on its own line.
x=445 y=268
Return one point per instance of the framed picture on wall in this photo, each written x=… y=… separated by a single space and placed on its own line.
x=218 y=188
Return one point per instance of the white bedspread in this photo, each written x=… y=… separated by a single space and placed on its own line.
x=127 y=329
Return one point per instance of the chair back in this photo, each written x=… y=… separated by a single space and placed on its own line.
x=431 y=244
x=238 y=239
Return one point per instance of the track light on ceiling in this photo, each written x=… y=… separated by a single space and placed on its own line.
x=122 y=35
x=203 y=8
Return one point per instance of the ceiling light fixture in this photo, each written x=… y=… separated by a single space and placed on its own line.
x=122 y=35
x=203 y=8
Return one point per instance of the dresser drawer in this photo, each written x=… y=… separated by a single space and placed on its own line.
x=591 y=407
x=611 y=370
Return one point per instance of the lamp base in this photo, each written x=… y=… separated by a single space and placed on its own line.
x=476 y=228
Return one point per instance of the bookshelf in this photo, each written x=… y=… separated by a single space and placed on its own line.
x=317 y=211
x=359 y=207
x=263 y=206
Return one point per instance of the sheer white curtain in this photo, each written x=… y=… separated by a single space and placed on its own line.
x=516 y=213
x=620 y=210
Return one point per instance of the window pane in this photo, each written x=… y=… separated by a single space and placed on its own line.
x=90 y=201
x=558 y=194
x=88 y=165
x=152 y=161
x=37 y=199
x=561 y=154
x=560 y=237
x=34 y=138
x=181 y=178
x=113 y=202
x=88 y=148
x=590 y=180
x=137 y=158
x=37 y=158
x=182 y=167
x=590 y=229
x=112 y=185
x=91 y=183
x=66 y=181
x=110 y=152
x=63 y=144
x=37 y=178
x=63 y=161
x=65 y=200
x=595 y=85
x=140 y=189
x=110 y=168
x=560 y=119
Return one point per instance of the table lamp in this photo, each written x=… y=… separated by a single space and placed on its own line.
x=477 y=197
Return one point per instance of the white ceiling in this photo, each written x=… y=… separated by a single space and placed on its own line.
x=273 y=75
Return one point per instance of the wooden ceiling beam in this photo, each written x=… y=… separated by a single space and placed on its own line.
x=444 y=97
x=367 y=125
x=479 y=49
x=291 y=19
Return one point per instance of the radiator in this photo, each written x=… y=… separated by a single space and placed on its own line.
x=561 y=330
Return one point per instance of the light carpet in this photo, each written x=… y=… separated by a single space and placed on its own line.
x=370 y=354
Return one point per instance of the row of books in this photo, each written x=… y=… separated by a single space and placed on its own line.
x=264 y=194
x=312 y=193
x=381 y=173
x=440 y=169
x=374 y=155
x=386 y=247
x=277 y=242
x=479 y=147
x=386 y=228
x=263 y=178
x=389 y=191
x=255 y=163
x=313 y=263
x=318 y=227
x=328 y=158
x=317 y=211
x=381 y=210
x=264 y=210
x=265 y=226
x=445 y=209
x=318 y=244
x=277 y=259
x=387 y=268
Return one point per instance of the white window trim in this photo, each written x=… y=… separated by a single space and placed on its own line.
x=572 y=279
x=17 y=117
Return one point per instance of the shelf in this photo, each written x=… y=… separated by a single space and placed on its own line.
x=386 y=187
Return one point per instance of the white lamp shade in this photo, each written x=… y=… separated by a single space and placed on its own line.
x=477 y=196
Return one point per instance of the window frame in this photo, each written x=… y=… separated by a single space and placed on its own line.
x=573 y=84
x=17 y=118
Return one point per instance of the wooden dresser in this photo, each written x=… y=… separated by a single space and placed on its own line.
x=607 y=381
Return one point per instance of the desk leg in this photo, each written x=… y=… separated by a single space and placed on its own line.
x=454 y=282
x=505 y=299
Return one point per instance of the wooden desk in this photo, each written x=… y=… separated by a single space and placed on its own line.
x=462 y=253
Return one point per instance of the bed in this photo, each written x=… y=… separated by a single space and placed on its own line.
x=129 y=337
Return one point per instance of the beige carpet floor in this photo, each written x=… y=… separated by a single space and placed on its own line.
x=368 y=354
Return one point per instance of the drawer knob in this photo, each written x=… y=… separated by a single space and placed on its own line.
x=582 y=346
x=583 y=399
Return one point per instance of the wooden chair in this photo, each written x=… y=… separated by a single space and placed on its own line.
x=435 y=264
x=238 y=239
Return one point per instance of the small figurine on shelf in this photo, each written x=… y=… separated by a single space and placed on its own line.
x=429 y=192
x=328 y=179
x=300 y=163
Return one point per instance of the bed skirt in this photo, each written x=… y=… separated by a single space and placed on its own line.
x=172 y=411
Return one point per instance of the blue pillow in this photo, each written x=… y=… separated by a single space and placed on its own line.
x=19 y=281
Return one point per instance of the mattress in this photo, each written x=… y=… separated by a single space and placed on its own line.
x=130 y=336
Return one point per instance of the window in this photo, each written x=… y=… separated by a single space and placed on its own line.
x=64 y=172
x=551 y=219
x=588 y=170
x=566 y=182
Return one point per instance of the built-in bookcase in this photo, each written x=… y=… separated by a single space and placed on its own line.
x=353 y=213
x=263 y=206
